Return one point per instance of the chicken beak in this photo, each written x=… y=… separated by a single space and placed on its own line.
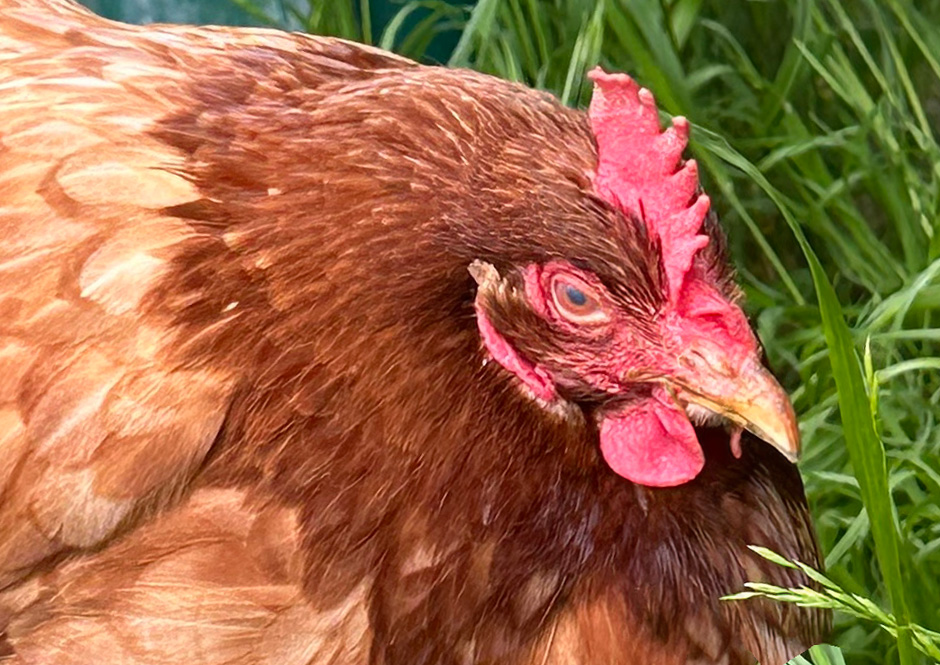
x=751 y=398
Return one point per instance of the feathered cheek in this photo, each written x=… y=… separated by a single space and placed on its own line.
x=534 y=378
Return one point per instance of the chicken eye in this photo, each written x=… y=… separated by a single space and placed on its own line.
x=576 y=302
x=575 y=296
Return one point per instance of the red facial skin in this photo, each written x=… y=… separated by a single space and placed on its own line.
x=650 y=439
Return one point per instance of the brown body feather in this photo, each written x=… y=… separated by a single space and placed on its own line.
x=244 y=411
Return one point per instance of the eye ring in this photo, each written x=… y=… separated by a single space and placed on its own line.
x=576 y=301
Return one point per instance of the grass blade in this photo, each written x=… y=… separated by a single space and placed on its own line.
x=480 y=26
x=865 y=447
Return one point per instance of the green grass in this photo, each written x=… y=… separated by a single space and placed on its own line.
x=831 y=596
x=816 y=129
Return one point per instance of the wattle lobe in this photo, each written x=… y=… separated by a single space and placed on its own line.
x=652 y=443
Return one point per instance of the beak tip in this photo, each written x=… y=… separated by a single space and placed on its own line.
x=793 y=456
x=795 y=446
x=752 y=399
x=785 y=433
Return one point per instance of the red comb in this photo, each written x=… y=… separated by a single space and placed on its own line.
x=640 y=170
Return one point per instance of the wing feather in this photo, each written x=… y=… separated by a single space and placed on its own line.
x=169 y=594
x=97 y=423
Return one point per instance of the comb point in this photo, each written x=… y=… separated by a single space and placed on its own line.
x=640 y=169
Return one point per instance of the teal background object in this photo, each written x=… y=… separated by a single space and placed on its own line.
x=228 y=12
x=220 y=12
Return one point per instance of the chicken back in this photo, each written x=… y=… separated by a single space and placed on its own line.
x=313 y=355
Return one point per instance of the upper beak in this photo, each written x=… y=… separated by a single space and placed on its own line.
x=750 y=398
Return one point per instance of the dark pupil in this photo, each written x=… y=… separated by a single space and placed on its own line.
x=575 y=296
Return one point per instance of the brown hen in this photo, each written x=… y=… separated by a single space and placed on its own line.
x=312 y=355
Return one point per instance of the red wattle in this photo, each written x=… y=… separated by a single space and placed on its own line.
x=652 y=443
